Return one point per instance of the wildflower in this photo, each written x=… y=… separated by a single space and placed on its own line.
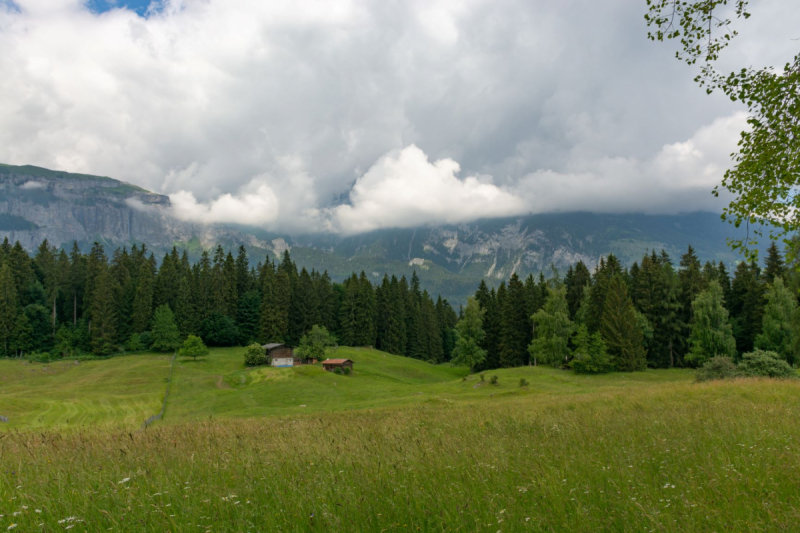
x=12 y=526
x=124 y=481
x=38 y=510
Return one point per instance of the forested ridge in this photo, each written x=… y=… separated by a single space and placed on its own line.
x=64 y=303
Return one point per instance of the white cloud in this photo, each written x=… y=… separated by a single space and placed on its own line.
x=218 y=101
x=256 y=208
x=30 y=185
x=404 y=189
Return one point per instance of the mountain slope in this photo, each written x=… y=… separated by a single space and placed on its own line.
x=37 y=203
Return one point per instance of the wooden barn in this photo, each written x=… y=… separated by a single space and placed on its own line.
x=332 y=364
x=280 y=355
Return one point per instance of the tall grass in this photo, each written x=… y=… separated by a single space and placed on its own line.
x=678 y=457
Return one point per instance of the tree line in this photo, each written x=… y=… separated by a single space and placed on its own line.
x=652 y=314
x=66 y=303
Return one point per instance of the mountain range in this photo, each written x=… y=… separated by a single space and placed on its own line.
x=62 y=207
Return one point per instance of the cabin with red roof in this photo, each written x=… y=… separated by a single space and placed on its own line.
x=332 y=364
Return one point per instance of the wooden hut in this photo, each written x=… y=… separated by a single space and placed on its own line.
x=280 y=355
x=332 y=364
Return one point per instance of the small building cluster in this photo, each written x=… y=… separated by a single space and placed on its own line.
x=283 y=356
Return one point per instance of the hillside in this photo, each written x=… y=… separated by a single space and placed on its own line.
x=37 y=203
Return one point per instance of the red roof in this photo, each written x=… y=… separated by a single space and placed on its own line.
x=335 y=361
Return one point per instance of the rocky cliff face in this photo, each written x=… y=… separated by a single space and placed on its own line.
x=38 y=204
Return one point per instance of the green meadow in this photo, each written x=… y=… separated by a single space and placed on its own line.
x=400 y=445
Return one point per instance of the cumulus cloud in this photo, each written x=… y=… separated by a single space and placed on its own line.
x=254 y=208
x=211 y=100
x=31 y=185
x=404 y=189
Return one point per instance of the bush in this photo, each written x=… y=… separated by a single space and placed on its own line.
x=193 y=347
x=483 y=378
x=493 y=380
x=523 y=382
x=337 y=370
x=134 y=343
x=255 y=355
x=760 y=363
x=718 y=367
x=346 y=371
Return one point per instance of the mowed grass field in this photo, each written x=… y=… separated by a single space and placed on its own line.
x=406 y=446
x=118 y=392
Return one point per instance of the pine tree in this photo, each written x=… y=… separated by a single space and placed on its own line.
x=143 y=300
x=77 y=281
x=553 y=329
x=247 y=316
x=95 y=263
x=304 y=311
x=747 y=305
x=166 y=336
x=514 y=325
x=8 y=308
x=22 y=338
x=712 y=334
x=774 y=266
x=692 y=283
x=104 y=314
x=185 y=313
x=776 y=330
x=576 y=283
x=606 y=270
x=469 y=335
x=620 y=329
x=348 y=312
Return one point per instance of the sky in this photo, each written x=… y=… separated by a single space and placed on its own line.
x=347 y=116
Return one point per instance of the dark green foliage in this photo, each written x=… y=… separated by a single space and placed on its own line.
x=759 y=363
x=577 y=280
x=553 y=330
x=22 y=340
x=590 y=355
x=620 y=329
x=143 y=299
x=103 y=326
x=8 y=309
x=747 y=305
x=248 y=315
x=515 y=323
x=523 y=382
x=219 y=330
x=255 y=355
x=193 y=347
x=164 y=331
x=718 y=367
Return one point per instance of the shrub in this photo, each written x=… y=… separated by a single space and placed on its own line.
x=766 y=364
x=493 y=380
x=346 y=371
x=134 y=343
x=193 y=347
x=255 y=355
x=337 y=370
x=483 y=378
x=718 y=367
x=523 y=382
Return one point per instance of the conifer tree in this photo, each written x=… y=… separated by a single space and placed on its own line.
x=22 y=339
x=712 y=334
x=774 y=266
x=348 y=312
x=185 y=313
x=77 y=281
x=8 y=308
x=692 y=283
x=104 y=314
x=747 y=305
x=553 y=329
x=776 y=331
x=606 y=270
x=576 y=283
x=514 y=326
x=143 y=300
x=247 y=316
x=166 y=336
x=620 y=329
x=469 y=335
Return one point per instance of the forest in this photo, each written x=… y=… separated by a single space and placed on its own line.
x=653 y=314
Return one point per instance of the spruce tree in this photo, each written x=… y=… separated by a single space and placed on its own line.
x=620 y=329
x=8 y=308
x=576 y=283
x=692 y=283
x=166 y=336
x=248 y=317
x=712 y=334
x=514 y=326
x=104 y=314
x=747 y=305
x=774 y=266
x=776 y=330
x=22 y=339
x=553 y=329
x=143 y=300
